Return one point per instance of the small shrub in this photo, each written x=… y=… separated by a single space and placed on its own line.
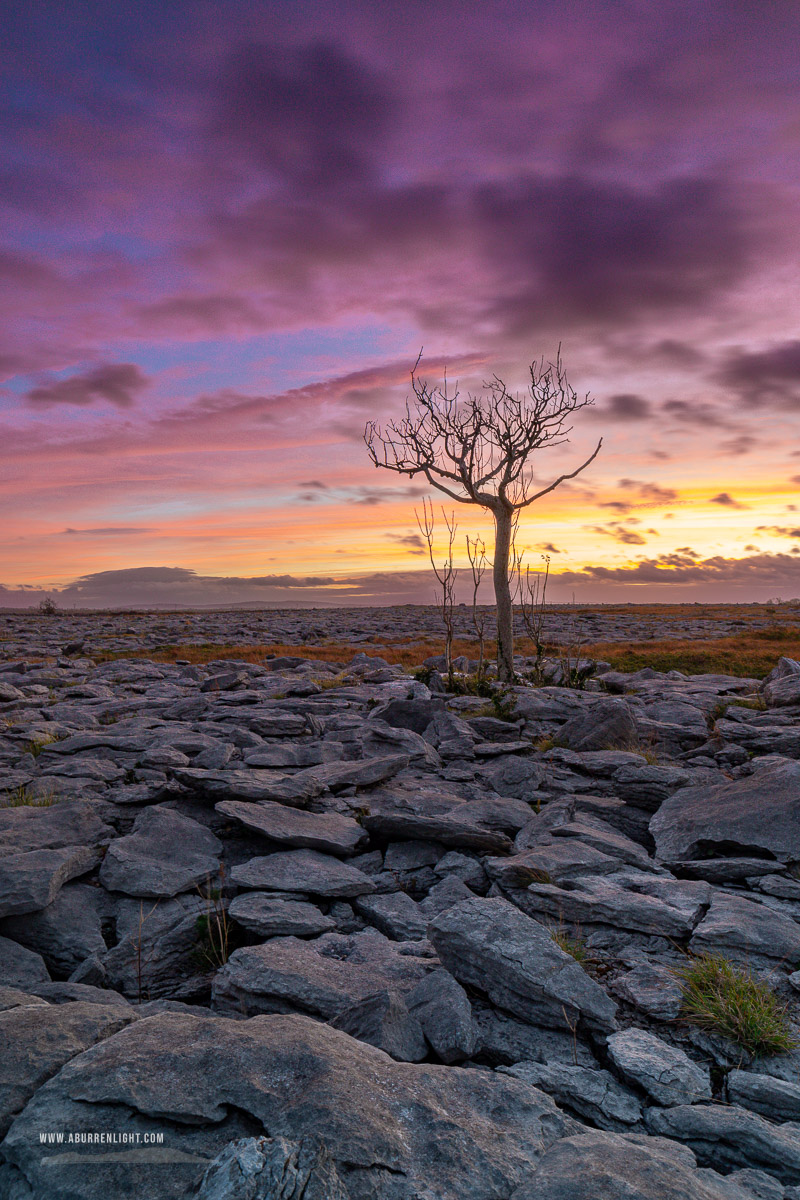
x=48 y=607
x=730 y=1000
x=504 y=706
x=471 y=685
x=545 y=743
x=24 y=797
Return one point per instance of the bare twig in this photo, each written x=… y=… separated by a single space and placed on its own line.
x=476 y=553
x=446 y=573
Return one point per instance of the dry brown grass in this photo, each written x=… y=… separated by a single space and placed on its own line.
x=333 y=652
x=752 y=653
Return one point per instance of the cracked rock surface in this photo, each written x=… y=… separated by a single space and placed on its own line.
x=342 y=936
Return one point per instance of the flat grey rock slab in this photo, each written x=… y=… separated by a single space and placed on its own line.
x=304 y=871
x=777 y=1099
x=367 y=772
x=292 y=754
x=443 y=895
x=761 y=1186
x=593 y=1094
x=11 y=997
x=663 y=1071
x=435 y=814
x=395 y=914
x=19 y=966
x=331 y=833
x=425 y=1130
x=166 y=853
x=321 y=977
x=444 y=1012
x=603 y=837
x=269 y=916
x=36 y=1042
x=727 y=870
x=85 y=766
x=610 y=1166
x=278 y=724
x=32 y=880
x=492 y=946
x=696 y=821
x=552 y=860
x=244 y=784
x=383 y=1020
x=377 y=738
x=67 y=823
x=653 y=989
x=607 y=724
x=762 y=740
x=730 y=1136
x=503 y=1039
x=61 y=991
x=64 y=933
x=746 y=931
x=782 y=685
x=648 y=785
x=628 y=899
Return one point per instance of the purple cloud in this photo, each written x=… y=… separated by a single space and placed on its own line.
x=118 y=383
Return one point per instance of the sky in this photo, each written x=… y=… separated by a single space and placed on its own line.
x=227 y=230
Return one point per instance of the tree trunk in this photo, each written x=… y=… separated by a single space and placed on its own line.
x=502 y=594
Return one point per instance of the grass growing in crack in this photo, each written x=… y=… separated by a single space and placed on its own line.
x=648 y=753
x=214 y=929
x=757 y=703
x=36 y=745
x=573 y=945
x=727 y=999
x=539 y=876
x=24 y=797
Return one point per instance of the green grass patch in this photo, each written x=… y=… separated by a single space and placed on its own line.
x=572 y=944
x=730 y=1000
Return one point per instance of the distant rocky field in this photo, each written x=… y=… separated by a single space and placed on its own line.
x=280 y=919
x=743 y=639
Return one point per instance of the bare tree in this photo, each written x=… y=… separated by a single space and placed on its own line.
x=477 y=450
x=445 y=574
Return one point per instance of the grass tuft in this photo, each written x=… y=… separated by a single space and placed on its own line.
x=37 y=744
x=24 y=797
x=215 y=940
x=727 y=999
x=575 y=945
